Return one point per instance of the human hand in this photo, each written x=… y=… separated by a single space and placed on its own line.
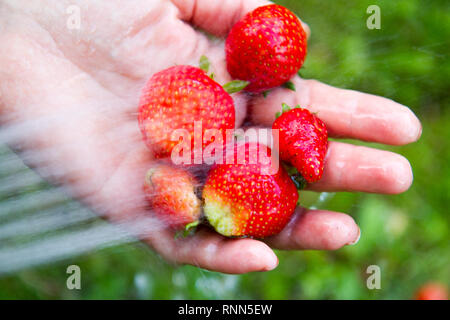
x=68 y=101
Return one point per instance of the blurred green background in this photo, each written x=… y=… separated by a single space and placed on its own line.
x=407 y=235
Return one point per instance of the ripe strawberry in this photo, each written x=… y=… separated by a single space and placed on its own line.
x=302 y=141
x=267 y=47
x=431 y=291
x=176 y=97
x=171 y=193
x=248 y=196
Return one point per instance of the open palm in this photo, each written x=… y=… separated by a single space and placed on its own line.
x=68 y=100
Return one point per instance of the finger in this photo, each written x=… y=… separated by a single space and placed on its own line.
x=217 y=17
x=316 y=229
x=346 y=113
x=356 y=168
x=209 y=250
x=123 y=202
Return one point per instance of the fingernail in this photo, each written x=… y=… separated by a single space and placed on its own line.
x=416 y=128
x=420 y=132
x=357 y=238
x=273 y=264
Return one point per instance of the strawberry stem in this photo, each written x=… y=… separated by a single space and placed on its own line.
x=235 y=86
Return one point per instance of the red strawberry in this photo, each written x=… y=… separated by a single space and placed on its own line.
x=245 y=198
x=171 y=192
x=432 y=291
x=302 y=141
x=267 y=47
x=176 y=97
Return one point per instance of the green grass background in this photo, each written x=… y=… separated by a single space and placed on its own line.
x=407 y=235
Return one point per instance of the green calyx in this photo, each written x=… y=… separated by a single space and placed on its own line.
x=235 y=86
x=192 y=225
x=285 y=108
x=230 y=87
x=299 y=181
x=289 y=85
x=296 y=178
x=188 y=230
x=204 y=63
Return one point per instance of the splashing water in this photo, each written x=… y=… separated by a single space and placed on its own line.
x=41 y=224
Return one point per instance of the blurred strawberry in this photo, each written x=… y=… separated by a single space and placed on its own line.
x=171 y=193
x=432 y=291
x=176 y=97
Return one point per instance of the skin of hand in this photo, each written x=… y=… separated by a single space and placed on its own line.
x=69 y=97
